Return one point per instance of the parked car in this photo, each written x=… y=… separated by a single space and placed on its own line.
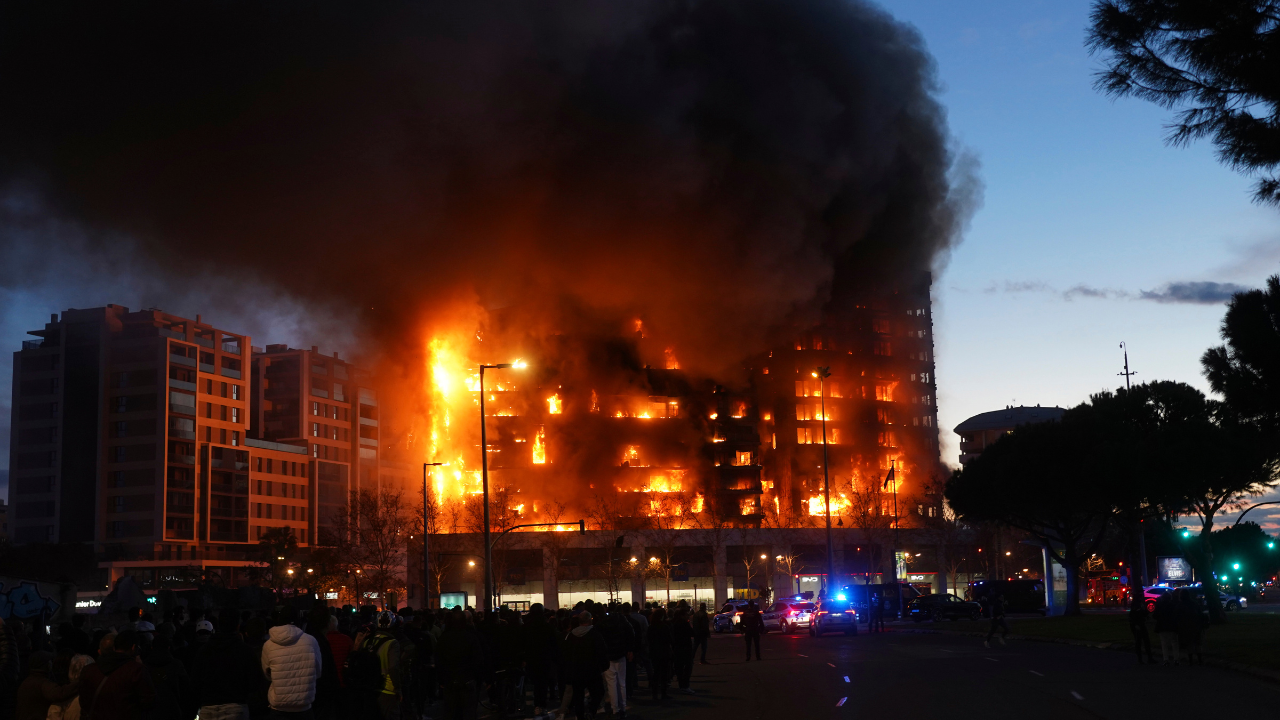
x=789 y=615
x=860 y=596
x=729 y=616
x=938 y=606
x=834 y=614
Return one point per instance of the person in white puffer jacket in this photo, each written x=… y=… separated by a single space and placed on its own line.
x=291 y=662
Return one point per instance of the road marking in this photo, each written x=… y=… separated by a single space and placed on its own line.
x=991 y=659
x=953 y=652
x=1076 y=695
x=1033 y=672
x=802 y=655
x=841 y=703
x=846 y=678
x=831 y=664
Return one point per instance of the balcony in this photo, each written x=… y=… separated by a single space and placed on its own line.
x=182 y=384
x=182 y=360
x=31 y=344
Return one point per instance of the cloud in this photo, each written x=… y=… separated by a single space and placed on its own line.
x=1086 y=291
x=1193 y=292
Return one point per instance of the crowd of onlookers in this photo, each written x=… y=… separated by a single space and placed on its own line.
x=1180 y=622
x=330 y=663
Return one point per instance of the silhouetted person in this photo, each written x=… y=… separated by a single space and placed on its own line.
x=1138 y=626
x=589 y=658
x=1190 y=627
x=997 y=620
x=660 y=653
x=752 y=627
x=1166 y=615
x=682 y=649
x=701 y=632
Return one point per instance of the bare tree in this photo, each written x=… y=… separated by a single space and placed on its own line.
x=670 y=514
x=373 y=533
x=714 y=527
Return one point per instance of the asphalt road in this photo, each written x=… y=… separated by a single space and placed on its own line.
x=901 y=674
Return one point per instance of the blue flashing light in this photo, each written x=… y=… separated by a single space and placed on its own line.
x=841 y=597
x=1236 y=566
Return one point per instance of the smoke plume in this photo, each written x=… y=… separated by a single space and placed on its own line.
x=720 y=168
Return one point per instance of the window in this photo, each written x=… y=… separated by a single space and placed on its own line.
x=880 y=325
x=208 y=387
x=235 y=415
x=886 y=439
x=924 y=377
x=315 y=408
x=883 y=392
x=222 y=412
x=884 y=416
x=805 y=436
x=122 y=428
x=222 y=436
x=315 y=429
x=742 y=457
x=235 y=438
x=235 y=392
x=122 y=404
x=208 y=410
x=223 y=389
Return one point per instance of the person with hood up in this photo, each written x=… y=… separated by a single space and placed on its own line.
x=620 y=639
x=117 y=686
x=588 y=659
x=227 y=672
x=38 y=692
x=292 y=664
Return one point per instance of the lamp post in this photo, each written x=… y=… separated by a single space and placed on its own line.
x=484 y=486
x=822 y=374
x=426 y=534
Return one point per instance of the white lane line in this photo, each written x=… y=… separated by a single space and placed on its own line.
x=832 y=664
x=841 y=703
x=953 y=652
x=1033 y=672
x=802 y=655
x=846 y=678
x=1076 y=695
x=991 y=659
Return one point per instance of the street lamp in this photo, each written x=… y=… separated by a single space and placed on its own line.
x=426 y=577
x=484 y=480
x=822 y=374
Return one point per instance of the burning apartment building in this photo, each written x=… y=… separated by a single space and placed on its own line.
x=675 y=213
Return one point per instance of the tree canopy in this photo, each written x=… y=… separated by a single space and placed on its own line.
x=1246 y=369
x=1217 y=60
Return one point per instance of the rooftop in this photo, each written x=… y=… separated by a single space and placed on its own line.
x=1009 y=418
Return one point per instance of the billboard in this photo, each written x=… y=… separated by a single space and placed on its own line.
x=1171 y=568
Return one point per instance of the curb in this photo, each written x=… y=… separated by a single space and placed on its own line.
x=1258 y=672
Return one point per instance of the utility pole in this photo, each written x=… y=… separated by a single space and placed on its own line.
x=426 y=535
x=1142 y=529
x=822 y=374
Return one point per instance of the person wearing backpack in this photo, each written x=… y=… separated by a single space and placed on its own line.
x=373 y=672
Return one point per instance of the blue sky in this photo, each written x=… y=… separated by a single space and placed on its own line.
x=1085 y=208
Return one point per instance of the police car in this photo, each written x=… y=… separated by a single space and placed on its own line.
x=834 y=614
x=788 y=616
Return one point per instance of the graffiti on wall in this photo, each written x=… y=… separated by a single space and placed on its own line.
x=25 y=600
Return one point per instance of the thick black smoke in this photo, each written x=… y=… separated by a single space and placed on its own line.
x=719 y=167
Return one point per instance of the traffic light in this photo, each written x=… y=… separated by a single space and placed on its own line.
x=1235 y=566
x=1186 y=533
x=1271 y=545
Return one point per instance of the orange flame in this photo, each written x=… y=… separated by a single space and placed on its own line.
x=540 y=447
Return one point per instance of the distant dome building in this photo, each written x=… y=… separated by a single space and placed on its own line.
x=981 y=430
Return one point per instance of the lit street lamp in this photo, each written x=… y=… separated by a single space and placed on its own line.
x=484 y=483
x=426 y=533
x=822 y=374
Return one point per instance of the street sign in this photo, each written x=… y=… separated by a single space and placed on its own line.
x=680 y=573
